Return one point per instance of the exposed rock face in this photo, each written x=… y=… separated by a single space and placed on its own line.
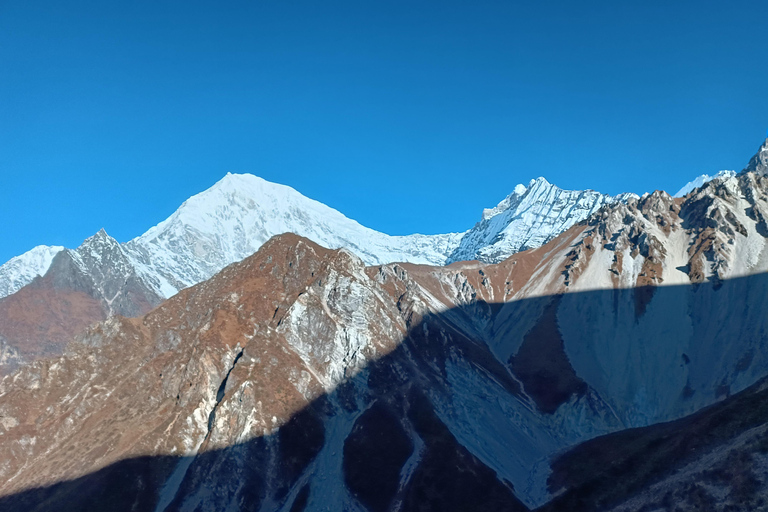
x=262 y=373
x=759 y=163
x=232 y=219
x=715 y=459
x=225 y=224
x=701 y=180
x=274 y=385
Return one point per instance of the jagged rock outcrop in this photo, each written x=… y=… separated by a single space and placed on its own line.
x=275 y=384
x=231 y=220
x=759 y=163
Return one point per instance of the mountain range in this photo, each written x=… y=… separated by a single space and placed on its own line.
x=226 y=223
x=572 y=351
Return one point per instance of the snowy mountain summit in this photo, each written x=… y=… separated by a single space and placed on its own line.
x=701 y=180
x=232 y=219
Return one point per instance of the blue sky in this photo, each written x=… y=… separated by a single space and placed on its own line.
x=406 y=116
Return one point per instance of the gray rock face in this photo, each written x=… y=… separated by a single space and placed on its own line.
x=81 y=287
x=101 y=268
x=300 y=379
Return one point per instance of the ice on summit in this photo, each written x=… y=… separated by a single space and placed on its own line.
x=232 y=219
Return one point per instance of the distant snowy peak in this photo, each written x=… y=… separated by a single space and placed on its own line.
x=233 y=218
x=529 y=217
x=701 y=180
x=21 y=270
x=757 y=164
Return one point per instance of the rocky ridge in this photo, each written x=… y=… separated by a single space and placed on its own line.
x=528 y=218
x=231 y=220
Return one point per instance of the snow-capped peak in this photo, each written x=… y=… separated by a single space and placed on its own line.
x=518 y=192
x=234 y=217
x=528 y=218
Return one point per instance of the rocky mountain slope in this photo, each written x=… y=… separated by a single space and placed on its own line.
x=300 y=379
x=701 y=180
x=715 y=459
x=230 y=221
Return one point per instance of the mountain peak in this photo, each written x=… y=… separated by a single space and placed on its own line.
x=99 y=239
x=20 y=270
x=759 y=162
x=541 y=181
x=526 y=219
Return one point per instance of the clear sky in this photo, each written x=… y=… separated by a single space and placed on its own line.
x=406 y=116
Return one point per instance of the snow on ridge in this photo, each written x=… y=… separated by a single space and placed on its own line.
x=701 y=180
x=232 y=219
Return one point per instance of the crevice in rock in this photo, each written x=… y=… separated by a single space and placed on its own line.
x=220 y=397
